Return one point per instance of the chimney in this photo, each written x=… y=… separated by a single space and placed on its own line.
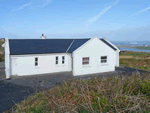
x=43 y=37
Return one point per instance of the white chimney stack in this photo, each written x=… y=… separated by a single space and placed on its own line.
x=43 y=37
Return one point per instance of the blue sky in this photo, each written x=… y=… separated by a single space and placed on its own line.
x=120 y=20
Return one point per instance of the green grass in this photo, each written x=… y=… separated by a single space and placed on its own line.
x=1 y=48
x=146 y=48
x=143 y=64
x=120 y=94
x=135 y=54
x=1 y=57
x=1 y=42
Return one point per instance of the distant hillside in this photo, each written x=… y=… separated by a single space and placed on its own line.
x=131 y=42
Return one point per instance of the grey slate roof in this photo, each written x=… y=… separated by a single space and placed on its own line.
x=77 y=43
x=43 y=46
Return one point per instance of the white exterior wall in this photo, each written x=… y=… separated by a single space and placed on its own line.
x=93 y=49
x=25 y=64
x=7 y=58
x=117 y=58
x=117 y=52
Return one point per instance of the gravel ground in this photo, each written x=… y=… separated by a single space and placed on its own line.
x=50 y=80
x=11 y=94
x=16 y=89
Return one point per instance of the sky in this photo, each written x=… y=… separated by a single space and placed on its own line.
x=116 y=20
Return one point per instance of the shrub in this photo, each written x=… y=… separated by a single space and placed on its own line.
x=118 y=94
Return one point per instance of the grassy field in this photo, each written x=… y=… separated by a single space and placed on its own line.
x=130 y=94
x=143 y=64
x=135 y=54
x=146 y=48
x=139 y=60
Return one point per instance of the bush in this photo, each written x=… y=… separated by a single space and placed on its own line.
x=1 y=57
x=118 y=94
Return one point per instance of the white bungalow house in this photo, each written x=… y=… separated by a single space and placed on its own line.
x=41 y=56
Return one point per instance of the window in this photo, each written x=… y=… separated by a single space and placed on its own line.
x=63 y=59
x=56 y=60
x=36 y=61
x=85 y=60
x=103 y=59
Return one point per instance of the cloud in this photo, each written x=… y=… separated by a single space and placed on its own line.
x=48 y=1
x=25 y=5
x=32 y=7
x=41 y=6
x=141 y=11
x=117 y=1
x=21 y=7
x=92 y=20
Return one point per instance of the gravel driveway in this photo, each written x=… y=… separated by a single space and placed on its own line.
x=50 y=80
x=16 y=89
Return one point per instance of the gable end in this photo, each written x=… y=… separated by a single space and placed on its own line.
x=108 y=44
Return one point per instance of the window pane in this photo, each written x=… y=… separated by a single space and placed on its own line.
x=84 y=63
x=56 y=62
x=104 y=57
x=57 y=58
x=36 y=59
x=63 y=62
x=36 y=63
x=103 y=61
x=63 y=57
x=85 y=58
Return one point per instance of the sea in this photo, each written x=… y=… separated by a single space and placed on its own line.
x=132 y=43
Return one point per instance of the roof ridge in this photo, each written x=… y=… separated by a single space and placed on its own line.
x=54 y=39
x=70 y=46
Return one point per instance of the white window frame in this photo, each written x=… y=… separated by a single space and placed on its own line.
x=85 y=61
x=103 y=60
x=36 y=61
